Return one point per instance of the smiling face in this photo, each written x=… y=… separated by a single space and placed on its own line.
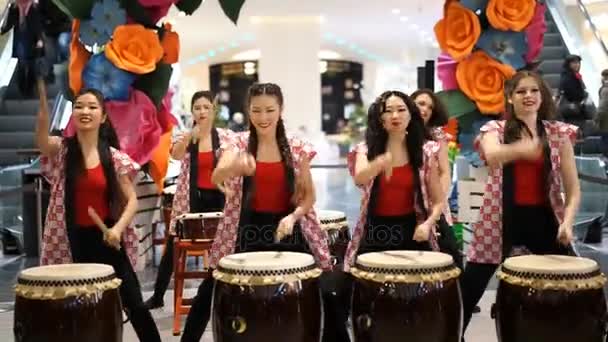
x=396 y=116
x=203 y=111
x=264 y=114
x=425 y=105
x=526 y=97
x=88 y=112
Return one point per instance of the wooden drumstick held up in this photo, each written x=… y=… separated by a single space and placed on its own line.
x=99 y=222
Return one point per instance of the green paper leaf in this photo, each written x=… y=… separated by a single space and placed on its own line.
x=456 y=103
x=232 y=8
x=78 y=9
x=156 y=83
x=188 y=6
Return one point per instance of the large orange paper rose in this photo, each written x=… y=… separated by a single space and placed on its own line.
x=510 y=15
x=135 y=49
x=458 y=30
x=482 y=79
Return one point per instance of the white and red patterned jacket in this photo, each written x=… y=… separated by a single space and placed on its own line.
x=440 y=136
x=486 y=245
x=225 y=238
x=430 y=159
x=55 y=243
x=181 y=199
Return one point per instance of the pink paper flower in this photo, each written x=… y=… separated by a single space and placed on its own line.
x=446 y=71
x=157 y=9
x=136 y=125
x=535 y=32
x=165 y=118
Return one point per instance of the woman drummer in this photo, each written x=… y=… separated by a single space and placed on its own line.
x=435 y=117
x=398 y=171
x=529 y=157
x=91 y=188
x=198 y=152
x=269 y=194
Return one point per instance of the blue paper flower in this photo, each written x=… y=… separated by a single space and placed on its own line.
x=475 y=5
x=509 y=47
x=90 y=35
x=101 y=74
x=106 y=15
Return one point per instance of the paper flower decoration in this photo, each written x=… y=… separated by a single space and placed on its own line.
x=510 y=15
x=446 y=71
x=458 y=31
x=535 y=32
x=136 y=124
x=106 y=15
x=482 y=79
x=90 y=35
x=170 y=44
x=78 y=59
x=157 y=9
x=509 y=47
x=101 y=74
x=135 y=49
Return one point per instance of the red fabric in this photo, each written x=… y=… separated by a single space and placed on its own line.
x=529 y=182
x=578 y=75
x=91 y=191
x=205 y=168
x=396 y=195
x=270 y=193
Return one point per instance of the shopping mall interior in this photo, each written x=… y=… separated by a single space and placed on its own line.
x=332 y=59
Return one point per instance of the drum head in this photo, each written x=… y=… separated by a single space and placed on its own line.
x=332 y=219
x=67 y=272
x=266 y=261
x=550 y=264
x=399 y=260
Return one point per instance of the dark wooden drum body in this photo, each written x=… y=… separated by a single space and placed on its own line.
x=334 y=223
x=550 y=299
x=68 y=303
x=198 y=226
x=267 y=296
x=406 y=296
x=167 y=204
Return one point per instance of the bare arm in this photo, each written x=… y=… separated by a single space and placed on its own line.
x=128 y=191
x=49 y=146
x=571 y=183
x=497 y=154
x=366 y=171
x=179 y=148
x=233 y=164
x=445 y=176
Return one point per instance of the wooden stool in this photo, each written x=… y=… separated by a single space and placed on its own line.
x=183 y=249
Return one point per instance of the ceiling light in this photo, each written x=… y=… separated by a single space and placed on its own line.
x=249 y=55
x=414 y=26
x=249 y=65
x=181 y=14
x=435 y=45
x=322 y=66
x=396 y=11
x=403 y=18
x=211 y=53
x=327 y=54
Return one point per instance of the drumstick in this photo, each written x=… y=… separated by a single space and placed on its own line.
x=99 y=222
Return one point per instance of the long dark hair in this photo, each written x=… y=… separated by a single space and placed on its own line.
x=439 y=116
x=376 y=137
x=274 y=90
x=75 y=166
x=193 y=147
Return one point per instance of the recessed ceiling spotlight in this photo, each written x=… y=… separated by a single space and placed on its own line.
x=396 y=11
x=403 y=18
x=414 y=26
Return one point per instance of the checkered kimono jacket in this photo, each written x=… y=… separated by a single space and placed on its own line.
x=181 y=199
x=439 y=135
x=55 y=243
x=226 y=235
x=486 y=245
x=430 y=159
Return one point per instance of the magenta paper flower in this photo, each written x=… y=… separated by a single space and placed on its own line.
x=136 y=125
x=157 y=9
x=535 y=33
x=446 y=71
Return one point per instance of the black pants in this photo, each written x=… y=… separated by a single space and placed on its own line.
x=208 y=201
x=447 y=242
x=389 y=233
x=533 y=228
x=256 y=233
x=87 y=246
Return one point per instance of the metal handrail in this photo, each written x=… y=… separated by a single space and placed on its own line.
x=592 y=26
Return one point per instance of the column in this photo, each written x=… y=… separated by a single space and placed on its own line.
x=289 y=49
